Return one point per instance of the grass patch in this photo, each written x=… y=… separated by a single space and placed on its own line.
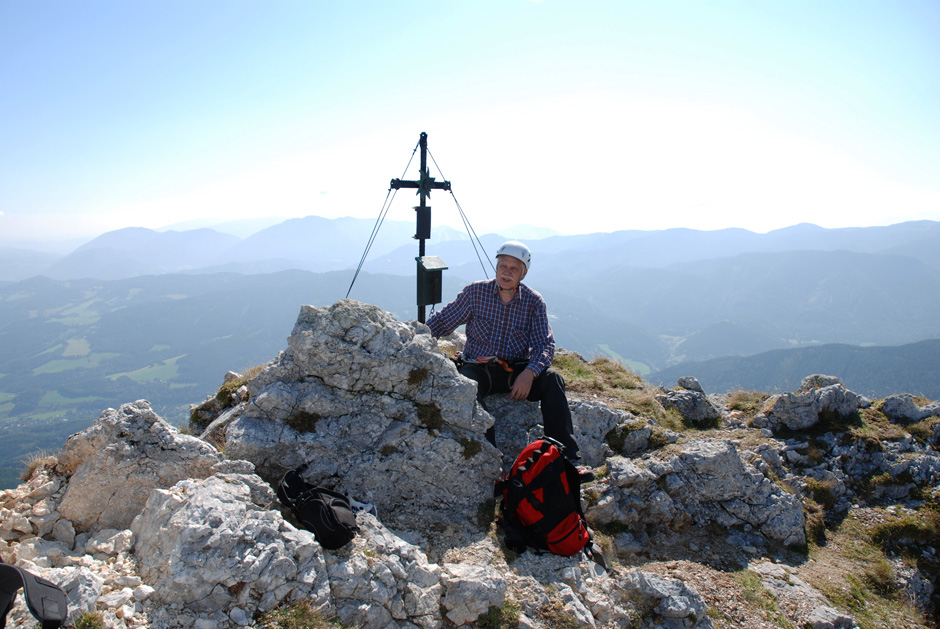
x=748 y=402
x=641 y=368
x=864 y=584
x=875 y=426
x=924 y=430
x=81 y=314
x=600 y=375
x=56 y=400
x=36 y=460
x=430 y=416
x=880 y=575
x=301 y=615
x=673 y=420
x=620 y=387
x=754 y=592
x=822 y=492
x=555 y=615
x=90 y=620
x=303 y=421
x=417 y=376
x=921 y=527
x=76 y=347
x=504 y=617
x=471 y=447
x=870 y=608
x=868 y=485
x=658 y=439
x=815 y=522
x=226 y=393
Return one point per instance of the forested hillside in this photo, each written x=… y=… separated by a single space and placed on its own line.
x=873 y=371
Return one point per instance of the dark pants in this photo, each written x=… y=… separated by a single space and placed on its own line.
x=548 y=389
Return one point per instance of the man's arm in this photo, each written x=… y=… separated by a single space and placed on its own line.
x=541 y=340
x=451 y=316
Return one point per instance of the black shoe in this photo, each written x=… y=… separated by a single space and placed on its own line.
x=585 y=473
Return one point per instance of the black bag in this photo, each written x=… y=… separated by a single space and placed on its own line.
x=45 y=599
x=325 y=512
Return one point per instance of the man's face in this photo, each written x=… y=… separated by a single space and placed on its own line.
x=509 y=272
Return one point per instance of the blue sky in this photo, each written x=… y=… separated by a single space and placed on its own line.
x=578 y=116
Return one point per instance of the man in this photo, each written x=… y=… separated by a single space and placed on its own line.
x=510 y=346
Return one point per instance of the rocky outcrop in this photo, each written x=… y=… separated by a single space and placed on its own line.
x=691 y=402
x=209 y=546
x=669 y=599
x=903 y=409
x=794 y=592
x=376 y=411
x=818 y=397
x=704 y=483
x=153 y=528
x=115 y=464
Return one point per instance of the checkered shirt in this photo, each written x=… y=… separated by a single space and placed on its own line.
x=515 y=331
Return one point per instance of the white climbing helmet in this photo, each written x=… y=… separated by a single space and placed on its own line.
x=517 y=250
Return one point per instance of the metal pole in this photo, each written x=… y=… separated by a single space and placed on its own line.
x=422 y=209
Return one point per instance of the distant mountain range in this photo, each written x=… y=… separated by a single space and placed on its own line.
x=138 y=313
x=319 y=244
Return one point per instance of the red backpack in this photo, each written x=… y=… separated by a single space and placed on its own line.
x=542 y=502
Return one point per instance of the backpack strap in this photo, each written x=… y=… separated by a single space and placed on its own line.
x=45 y=599
x=517 y=491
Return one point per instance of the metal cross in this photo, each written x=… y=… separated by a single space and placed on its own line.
x=424 y=185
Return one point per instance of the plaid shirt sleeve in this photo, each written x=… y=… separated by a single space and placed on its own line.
x=541 y=338
x=454 y=314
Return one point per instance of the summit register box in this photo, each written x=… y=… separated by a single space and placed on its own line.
x=430 y=278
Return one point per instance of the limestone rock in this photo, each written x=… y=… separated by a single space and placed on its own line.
x=691 y=384
x=470 y=591
x=376 y=410
x=818 y=381
x=693 y=405
x=205 y=545
x=520 y=423
x=705 y=482
x=813 y=609
x=902 y=408
x=798 y=411
x=120 y=459
x=380 y=580
x=670 y=602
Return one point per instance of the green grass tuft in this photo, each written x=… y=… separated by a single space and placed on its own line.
x=301 y=615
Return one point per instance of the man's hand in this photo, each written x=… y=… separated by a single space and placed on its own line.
x=522 y=385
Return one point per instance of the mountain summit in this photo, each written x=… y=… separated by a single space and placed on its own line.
x=712 y=509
